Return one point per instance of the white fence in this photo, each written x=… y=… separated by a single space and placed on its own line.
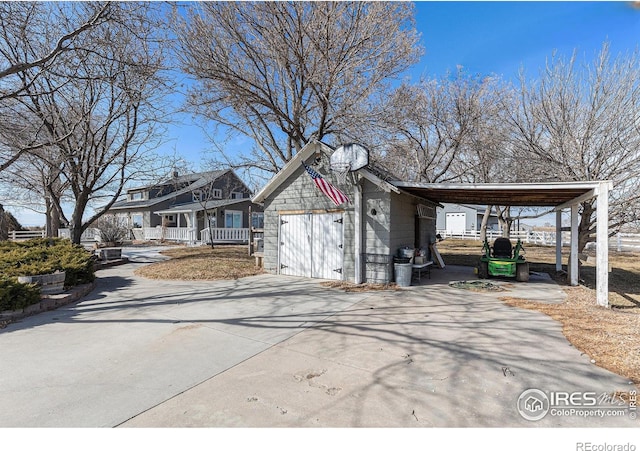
x=20 y=235
x=221 y=235
x=530 y=237
x=620 y=242
x=91 y=234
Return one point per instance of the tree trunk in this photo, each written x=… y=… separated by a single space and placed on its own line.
x=4 y=227
x=485 y=221
x=585 y=227
x=505 y=220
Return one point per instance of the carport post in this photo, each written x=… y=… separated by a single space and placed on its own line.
x=573 y=256
x=559 y=240
x=602 y=245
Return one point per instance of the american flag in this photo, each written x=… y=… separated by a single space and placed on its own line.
x=333 y=193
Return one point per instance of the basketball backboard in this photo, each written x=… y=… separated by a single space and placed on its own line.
x=355 y=155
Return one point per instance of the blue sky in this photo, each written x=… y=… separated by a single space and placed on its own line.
x=490 y=38
x=483 y=37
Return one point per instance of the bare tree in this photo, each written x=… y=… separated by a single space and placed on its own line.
x=100 y=114
x=282 y=73
x=580 y=120
x=33 y=37
x=442 y=130
x=36 y=183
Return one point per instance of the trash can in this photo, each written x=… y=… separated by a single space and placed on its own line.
x=403 y=269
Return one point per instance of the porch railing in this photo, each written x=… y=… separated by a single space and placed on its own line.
x=221 y=235
x=170 y=233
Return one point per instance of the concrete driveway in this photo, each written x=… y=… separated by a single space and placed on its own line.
x=274 y=351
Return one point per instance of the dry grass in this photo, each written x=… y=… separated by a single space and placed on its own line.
x=349 y=287
x=202 y=263
x=610 y=337
x=624 y=279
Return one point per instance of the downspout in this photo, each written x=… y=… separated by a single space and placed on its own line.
x=357 y=209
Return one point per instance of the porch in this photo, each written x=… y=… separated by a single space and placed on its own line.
x=217 y=235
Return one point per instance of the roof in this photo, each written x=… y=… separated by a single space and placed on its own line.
x=186 y=178
x=294 y=164
x=198 y=206
x=553 y=194
x=507 y=194
x=198 y=180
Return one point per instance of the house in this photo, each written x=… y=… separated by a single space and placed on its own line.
x=306 y=234
x=178 y=208
x=456 y=219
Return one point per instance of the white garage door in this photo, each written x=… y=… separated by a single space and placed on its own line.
x=456 y=223
x=311 y=245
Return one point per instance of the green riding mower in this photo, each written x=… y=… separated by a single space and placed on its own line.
x=503 y=260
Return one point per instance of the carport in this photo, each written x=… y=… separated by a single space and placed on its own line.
x=560 y=196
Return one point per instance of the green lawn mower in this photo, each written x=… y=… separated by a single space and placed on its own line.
x=503 y=260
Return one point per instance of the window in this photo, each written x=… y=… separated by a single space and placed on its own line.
x=232 y=219
x=213 y=220
x=196 y=195
x=169 y=219
x=138 y=195
x=257 y=220
x=216 y=193
x=237 y=195
x=136 y=221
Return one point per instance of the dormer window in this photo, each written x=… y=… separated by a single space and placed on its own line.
x=197 y=195
x=237 y=195
x=138 y=195
x=216 y=193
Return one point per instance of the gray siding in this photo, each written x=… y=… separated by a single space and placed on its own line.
x=299 y=193
x=388 y=223
x=376 y=218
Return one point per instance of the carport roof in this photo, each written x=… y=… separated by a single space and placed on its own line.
x=506 y=194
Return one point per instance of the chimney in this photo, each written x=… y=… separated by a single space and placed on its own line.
x=175 y=174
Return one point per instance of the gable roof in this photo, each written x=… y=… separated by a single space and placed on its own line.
x=197 y=181
x=294 y=164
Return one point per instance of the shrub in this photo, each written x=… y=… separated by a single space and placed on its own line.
x=46 y=256
x=113 y=229
x=15 y=295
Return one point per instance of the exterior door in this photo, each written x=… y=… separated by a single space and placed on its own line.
x=456 y=223
x=311 y=245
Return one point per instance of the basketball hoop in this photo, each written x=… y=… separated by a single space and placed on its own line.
x=341 y=170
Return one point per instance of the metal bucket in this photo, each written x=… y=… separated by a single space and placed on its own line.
x=403 y=274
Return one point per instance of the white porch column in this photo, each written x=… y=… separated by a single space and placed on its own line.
x=194 y=226
x=573 y=258
x=559 y=240
x=602 y=245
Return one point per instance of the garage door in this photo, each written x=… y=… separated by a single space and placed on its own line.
x=311 y=245
x=456 y=223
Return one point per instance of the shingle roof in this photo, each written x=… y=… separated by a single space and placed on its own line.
x=197 y=180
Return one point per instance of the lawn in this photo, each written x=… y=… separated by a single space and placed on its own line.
x=610 y=337
x=202 y=263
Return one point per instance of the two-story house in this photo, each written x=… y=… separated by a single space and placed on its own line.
x=178 y=208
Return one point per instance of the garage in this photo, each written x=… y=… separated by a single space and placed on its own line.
x=456 y=223
x=385 y=214
x=311 y=245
